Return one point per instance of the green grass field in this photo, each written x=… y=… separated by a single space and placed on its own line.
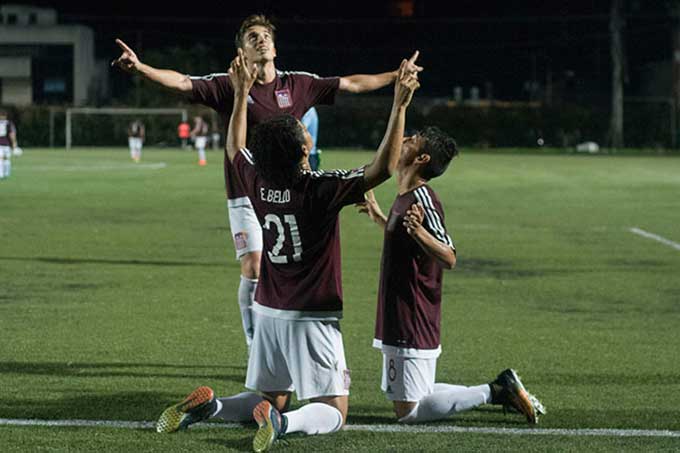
x=118 y=297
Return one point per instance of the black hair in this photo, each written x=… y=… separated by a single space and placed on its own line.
x=441 y=148
x=277 y=150
x=251 y=21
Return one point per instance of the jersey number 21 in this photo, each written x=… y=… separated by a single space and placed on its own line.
x=273 y=220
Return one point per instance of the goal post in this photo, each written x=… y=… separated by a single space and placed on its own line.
x=70 y=112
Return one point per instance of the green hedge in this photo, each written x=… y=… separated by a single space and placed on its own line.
x=359 y=121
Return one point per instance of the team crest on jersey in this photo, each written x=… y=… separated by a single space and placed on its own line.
x=284 y=99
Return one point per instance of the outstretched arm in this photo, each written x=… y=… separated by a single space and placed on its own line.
x=242 y=77
x=386 y=158
x=361 y=83
x=172 y=80
x=442 y=253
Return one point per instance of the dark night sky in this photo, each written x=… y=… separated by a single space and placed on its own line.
x=329 y=9
x=506 y=43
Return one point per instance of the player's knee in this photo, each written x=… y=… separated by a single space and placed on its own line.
x=280 y=400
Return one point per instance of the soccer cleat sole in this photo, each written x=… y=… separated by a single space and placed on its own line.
x=172 y=417
x=266 y=432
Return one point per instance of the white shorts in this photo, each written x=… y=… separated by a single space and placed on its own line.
x=306 y=357
x=135 y=142
x=245 y=229
x=200 y=142
x=5 y=152
x=407 y=378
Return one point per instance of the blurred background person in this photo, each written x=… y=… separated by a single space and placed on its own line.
x=184 y=132
x=136 y=135
x=199 y=135
x=8 y=144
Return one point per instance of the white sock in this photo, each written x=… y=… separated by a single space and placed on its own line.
x=2 y=168
x=246 y=294
x=8 y=167
x=314 y=418
x=201 y=154
x=448 y=401
x=237 y=408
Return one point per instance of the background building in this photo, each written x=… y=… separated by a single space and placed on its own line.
x=42 y=61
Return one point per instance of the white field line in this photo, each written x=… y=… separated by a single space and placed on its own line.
x=364 y=428
x=655 y=237
x=98 y=167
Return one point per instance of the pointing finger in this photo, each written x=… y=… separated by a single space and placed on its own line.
x=414 y=57
x=123 y=46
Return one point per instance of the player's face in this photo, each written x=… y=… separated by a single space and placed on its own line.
x=309 y=142
x=258 y=45
x=411 y=148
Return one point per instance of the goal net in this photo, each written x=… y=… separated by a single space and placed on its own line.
x=89 y=126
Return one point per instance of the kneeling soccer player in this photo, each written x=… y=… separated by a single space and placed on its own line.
x=297 y=343
x=415 y=250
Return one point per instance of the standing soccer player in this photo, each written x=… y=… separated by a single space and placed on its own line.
x=199 y=134
x=274 y=93
x=136 y=135
x=416 y=249
x=8 y=144
x=297 y=344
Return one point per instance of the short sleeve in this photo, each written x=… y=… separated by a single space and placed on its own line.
x=434 y=217
x=339 y=188
x=213 y=90
x=244 y=169
x=323 y=89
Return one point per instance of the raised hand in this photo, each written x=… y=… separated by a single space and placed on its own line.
x=241 y=74
x=406 y=83
x=413 y=219
x=371 y=208
x=411 y=66
x=128 y=60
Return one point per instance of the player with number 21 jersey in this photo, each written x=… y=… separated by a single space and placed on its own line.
x=301 y=238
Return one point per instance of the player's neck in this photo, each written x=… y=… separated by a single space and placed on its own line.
x=266 y=72
x=408 y=179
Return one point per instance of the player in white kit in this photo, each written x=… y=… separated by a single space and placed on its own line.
x=136 y=135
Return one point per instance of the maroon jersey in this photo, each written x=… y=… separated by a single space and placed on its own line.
x=6 y=128
x=200 y=128
x=300 y=274
x=290 y=92
x=136 y=129
x=409 y=296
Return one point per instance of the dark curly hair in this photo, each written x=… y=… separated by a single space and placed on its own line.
x=441 y=148
x=250 y=21
x=277 y=150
